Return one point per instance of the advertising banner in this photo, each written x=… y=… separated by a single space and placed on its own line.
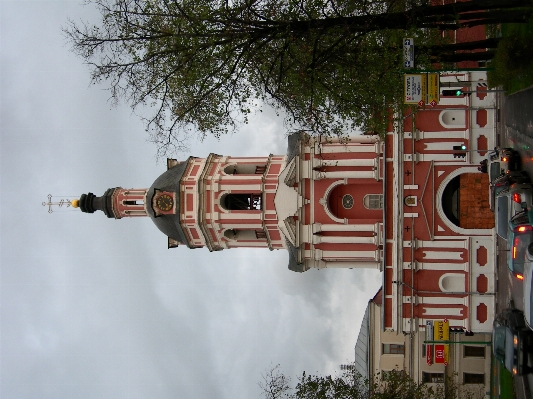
x=429 y=354
x=441 y=333
x=442 y=330
x=441 y=354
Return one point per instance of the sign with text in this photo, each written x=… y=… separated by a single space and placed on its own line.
x=429 y=337
x=442 y=330
x=422 y=89
x=408 y=52
x=415 y=88
x=441 y=354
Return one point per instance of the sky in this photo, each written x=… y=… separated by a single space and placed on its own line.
x=92 y=307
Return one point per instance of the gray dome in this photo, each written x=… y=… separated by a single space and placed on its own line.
x=169 y=181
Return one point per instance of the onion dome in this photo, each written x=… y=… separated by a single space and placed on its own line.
x=168 y=182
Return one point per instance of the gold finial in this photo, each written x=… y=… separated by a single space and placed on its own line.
x=75 y=203
x=61 y=203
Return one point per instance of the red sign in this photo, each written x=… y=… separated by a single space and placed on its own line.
x=429 y=354
x=441 y=354
x=421 y=103
x=433 y=103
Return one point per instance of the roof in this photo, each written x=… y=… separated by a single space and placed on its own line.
x=169 y=181
x=362 y=346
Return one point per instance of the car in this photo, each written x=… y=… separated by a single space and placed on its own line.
x=520 y=238
x=499 y=161
x=503 y=182
x=510 y=202
x=528 y=288
x=512 y=341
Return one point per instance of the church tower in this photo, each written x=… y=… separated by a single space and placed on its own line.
x=322 y=201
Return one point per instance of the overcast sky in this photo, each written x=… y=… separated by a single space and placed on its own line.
x=99 y=308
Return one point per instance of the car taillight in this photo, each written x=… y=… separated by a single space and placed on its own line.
x=505 y=159
x=519 y=276
x=517 y=198
x=522 y=229
x=514 y=251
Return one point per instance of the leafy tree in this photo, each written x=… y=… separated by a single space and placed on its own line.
x=349 y=384
x=204 y=65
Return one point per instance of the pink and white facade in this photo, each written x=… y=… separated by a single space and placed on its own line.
x=404 y=205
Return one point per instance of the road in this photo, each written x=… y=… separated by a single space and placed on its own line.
x=515 y=129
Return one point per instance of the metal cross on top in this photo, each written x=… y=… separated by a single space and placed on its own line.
x=61 y=203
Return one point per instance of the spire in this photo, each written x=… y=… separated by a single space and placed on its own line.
x=116 y=203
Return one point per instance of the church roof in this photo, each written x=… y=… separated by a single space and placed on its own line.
x=169 y=181
x=362 y=346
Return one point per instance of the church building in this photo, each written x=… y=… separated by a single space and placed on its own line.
x=411 y=206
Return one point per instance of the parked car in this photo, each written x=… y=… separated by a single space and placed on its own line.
x=510 y=202
x=512 y=340
x=520 y=238
x=528 y=287
x=503 y=182
x=499 y=161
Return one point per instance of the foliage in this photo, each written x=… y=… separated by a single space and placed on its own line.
x=513 y=62
x=396 y=384
x=204 y=65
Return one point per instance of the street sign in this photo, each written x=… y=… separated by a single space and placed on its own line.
x=414 y=88
x=433 y=89
x=422 y=89
x=429 y=337
x=408 y=53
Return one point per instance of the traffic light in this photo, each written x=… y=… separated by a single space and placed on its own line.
x=459 y=151
x=453 y=93
x=460 y=330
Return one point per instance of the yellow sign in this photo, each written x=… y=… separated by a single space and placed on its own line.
x=441 y=330
x=433 y=89
x=421 y=89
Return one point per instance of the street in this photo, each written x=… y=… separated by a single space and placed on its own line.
x=515 y=130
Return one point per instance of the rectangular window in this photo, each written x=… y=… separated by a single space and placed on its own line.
x=474 y=351
x=432 y=377
x=393 y=349
x=473 y=378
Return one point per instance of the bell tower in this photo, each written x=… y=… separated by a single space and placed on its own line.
x=322 y=201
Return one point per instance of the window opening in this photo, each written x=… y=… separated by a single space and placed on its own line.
x=432 y=377
x=373 y=201
x=473 y=378
x=233 y=202
x=393 y=349
x=474 y=351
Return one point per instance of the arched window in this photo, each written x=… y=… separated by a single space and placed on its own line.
x=373 y=201
x=242 y=202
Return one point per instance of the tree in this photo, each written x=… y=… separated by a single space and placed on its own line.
x=349 y=384
x=204 y=65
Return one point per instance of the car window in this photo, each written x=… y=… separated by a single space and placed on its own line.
x=502 y=216
x=499 y=342
x=495 y=171
x=531 y=303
